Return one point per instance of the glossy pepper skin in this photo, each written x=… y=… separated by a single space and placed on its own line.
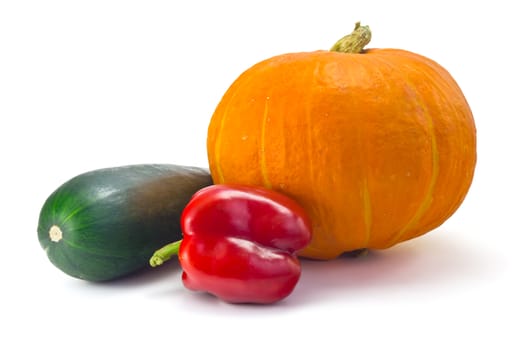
x=239 y=243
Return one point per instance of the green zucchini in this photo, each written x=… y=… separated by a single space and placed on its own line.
x=105 y=224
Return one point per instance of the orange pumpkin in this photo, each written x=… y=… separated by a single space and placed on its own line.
x=378 y=145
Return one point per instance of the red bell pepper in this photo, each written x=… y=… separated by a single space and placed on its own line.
x=239 y=243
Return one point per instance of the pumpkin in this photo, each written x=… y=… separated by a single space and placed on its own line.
x=378 y=145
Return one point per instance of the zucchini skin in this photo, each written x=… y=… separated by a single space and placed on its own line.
x=112 y=220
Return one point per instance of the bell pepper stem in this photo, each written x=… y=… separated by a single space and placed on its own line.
x=354 y=42
x=165 y=253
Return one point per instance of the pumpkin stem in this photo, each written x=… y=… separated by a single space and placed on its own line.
x=165 y=253
x=354 y=42
x=358 y=253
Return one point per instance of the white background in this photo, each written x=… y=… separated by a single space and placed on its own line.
x=92 y=84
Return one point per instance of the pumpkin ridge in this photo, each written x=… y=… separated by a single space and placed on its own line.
x=427 y=199
x=218 y=136
x=367 y=204
x=449 y=83
x=459 y=199
x=308 y=119
x=218 y=141
x=264 y=169
x=371 y=55
x=367 y=209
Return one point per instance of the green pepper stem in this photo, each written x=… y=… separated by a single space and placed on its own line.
x=354 y=42
x=165 y=253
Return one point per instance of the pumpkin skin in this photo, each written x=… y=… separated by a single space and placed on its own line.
x=379 y=147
